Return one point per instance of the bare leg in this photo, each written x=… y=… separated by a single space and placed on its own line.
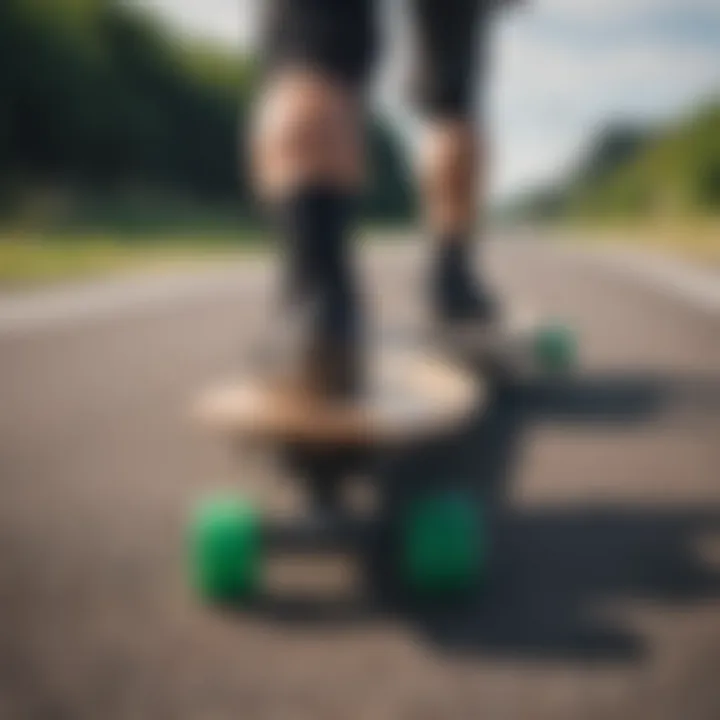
x=450 y=179
x=307 y=132
x=451 y=49
x=307 y=155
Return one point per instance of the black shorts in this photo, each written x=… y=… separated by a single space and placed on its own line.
x=340 y=38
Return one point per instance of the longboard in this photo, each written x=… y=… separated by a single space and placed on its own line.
x=428 y=536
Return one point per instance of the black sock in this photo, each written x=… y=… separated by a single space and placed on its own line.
x=452 y=260
x=320 y=293
x=314 y=224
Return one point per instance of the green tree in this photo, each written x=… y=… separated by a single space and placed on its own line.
x=100 y=102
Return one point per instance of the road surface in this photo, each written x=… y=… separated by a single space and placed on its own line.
x=606 y=600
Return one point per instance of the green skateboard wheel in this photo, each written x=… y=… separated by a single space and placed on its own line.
x=442 y=545
x=555 y=348
x=226 y=549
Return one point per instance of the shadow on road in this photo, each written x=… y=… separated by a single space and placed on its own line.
x=556 y=572
x=549 y=594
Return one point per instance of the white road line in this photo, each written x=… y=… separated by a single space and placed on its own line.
x=66 y=306
x=56 y=307
x=694 y=285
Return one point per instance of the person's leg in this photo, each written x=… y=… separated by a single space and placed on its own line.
x=450 y=38
x=308 y=167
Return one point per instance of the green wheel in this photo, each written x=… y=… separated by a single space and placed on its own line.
x=555 y=348
x=226 y=549
x=442 y=545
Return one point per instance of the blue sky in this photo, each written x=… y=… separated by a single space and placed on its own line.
x=562 y=69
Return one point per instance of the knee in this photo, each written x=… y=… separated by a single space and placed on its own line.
x=306 y=129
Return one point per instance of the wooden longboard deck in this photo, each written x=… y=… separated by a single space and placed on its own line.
x=410 y=392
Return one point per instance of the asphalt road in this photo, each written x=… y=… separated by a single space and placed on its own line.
x=605 y=598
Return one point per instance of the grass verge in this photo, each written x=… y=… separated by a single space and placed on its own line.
x=40 y=260
x=694 y=240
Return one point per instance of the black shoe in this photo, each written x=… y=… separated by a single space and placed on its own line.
x=331 y=360
x=460 y=299
x=464 y=301
x=319 y=351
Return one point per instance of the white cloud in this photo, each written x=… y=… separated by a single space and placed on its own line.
x=619 y=10
x=551 y=92
x=231 y=21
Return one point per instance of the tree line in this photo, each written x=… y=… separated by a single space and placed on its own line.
x=98 y=101
x=639 y=172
